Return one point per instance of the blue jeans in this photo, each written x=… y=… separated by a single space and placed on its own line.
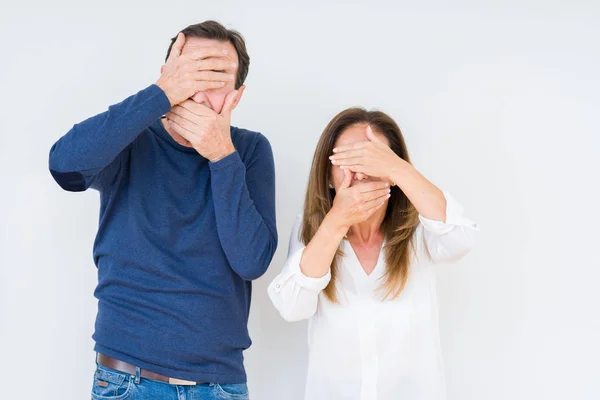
x=115 y=385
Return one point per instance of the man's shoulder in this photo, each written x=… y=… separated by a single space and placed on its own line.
x=246 y=141
x=245 y=135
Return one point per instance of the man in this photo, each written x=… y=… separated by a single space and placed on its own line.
x=187 y=221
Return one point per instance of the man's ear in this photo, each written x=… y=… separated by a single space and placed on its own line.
x=239 y=96
x=231 y=100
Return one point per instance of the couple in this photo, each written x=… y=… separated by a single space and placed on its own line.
x=187 y=221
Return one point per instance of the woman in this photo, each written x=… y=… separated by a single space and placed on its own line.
x=357 y=266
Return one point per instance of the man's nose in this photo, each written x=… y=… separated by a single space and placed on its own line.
x=203 y=98
x=200 y=97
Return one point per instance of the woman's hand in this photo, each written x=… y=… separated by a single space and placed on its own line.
x=353 y=205
x=373 y=158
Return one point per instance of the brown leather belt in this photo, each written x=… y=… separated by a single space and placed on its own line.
x=122 y=366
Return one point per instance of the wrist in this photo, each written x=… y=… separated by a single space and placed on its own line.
x=335 y=225
x=227 y=151
x=397 y=171
x=165 y=90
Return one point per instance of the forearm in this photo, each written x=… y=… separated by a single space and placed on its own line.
x=92 y=144
x=320 y=251
x=246 y=227
x=427 y=198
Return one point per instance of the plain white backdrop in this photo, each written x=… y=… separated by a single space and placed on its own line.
x=498 y=101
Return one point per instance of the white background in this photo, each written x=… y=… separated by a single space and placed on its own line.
x=498 y=101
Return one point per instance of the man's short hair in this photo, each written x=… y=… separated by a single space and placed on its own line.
x=216 y=31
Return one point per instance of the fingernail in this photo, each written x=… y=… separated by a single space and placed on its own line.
x=333 y=162
x=335 y=150
x=331 y=157
x=389 y=195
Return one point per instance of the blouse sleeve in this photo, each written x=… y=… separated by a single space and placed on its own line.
x=294 y=294
x=451 y=240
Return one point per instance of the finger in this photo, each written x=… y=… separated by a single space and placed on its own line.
x=185 y=133
x=212 y=76
x=177 y=46
x=375 y=194
x=180 y=119
x=374 y=209
x=364 y=169
x=371 y=136
x=356 y=168
x=229 y=103
x=207 y=52
x=197 y=109
x=373 y=205
x=347 y=180
x=349 y=161
x=354 y=146
x=185 y=112
x=202 y=86
x=347 y=154
x=215 y=64
x=371 y=186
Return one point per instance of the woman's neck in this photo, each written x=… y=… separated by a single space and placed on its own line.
x=368 y=232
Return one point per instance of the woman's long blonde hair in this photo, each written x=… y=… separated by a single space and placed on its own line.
x=401 y=217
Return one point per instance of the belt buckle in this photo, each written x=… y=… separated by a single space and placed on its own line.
x=182 y=382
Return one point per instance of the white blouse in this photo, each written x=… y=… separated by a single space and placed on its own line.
x=364 y=348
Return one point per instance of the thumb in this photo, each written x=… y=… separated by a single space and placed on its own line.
x=229 y=103
x=177 y=46
x=372 y=136
x=347 y=179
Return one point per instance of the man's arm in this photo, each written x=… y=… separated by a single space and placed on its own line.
x=244 y=201
x=90 y=146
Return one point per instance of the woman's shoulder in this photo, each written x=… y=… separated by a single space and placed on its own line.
x=297 y=226
x=295 y=237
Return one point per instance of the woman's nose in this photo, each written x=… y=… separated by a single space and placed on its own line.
x=359 y=176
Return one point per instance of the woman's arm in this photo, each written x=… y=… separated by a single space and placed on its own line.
x=320 y=251
x=294 y=292
x=351 y=205
x=77 y=158
x=447 y=234
x=451 y=239
x=427 y=198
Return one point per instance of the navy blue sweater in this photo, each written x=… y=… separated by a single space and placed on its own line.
x=179 y=238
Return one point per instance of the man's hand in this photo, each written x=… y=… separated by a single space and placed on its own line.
x=185 y=75
x=208 y=132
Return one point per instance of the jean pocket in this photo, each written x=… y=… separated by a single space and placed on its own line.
x=238 y=391
x=110 y=384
